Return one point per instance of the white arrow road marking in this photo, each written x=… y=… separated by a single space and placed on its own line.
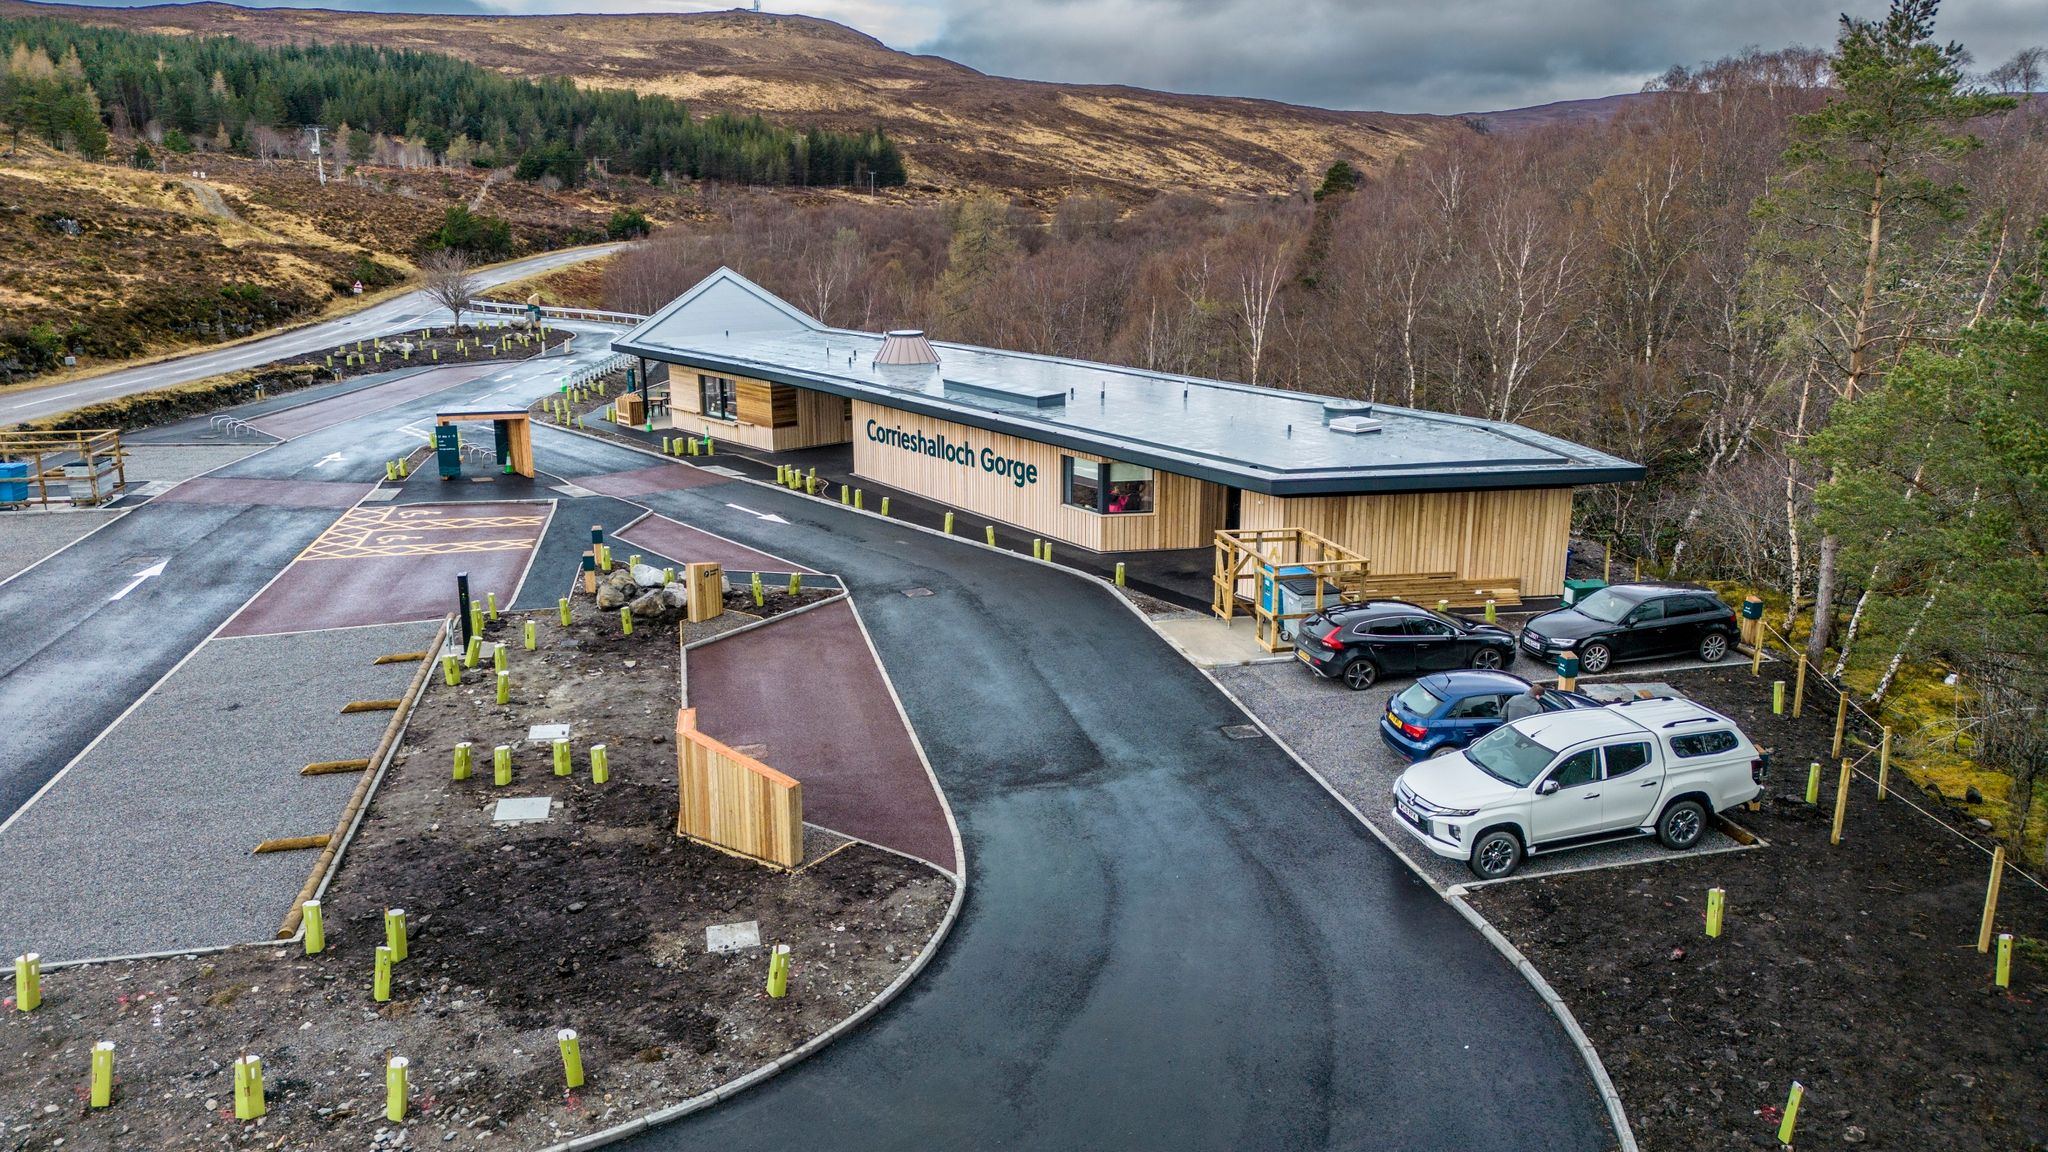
x=330 y=458
x=156 y=569
x=768 y=516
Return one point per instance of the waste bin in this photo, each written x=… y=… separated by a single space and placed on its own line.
x=1577 y=590
x=13 y=481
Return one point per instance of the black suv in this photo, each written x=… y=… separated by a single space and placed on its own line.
x=1634 y=622
x=1357 y=643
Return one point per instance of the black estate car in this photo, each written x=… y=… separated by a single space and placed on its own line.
x=1357 y=643
x=1634 y=622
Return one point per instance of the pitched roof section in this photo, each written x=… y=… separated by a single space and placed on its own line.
x=721 y=303
x=1260 y=439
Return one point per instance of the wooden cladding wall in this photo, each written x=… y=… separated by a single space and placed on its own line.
x=1186 y=512
x=734 y=801
x=1480 y=535
x=773 y=417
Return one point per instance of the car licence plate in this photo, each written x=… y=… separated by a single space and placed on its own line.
x=1410 y=814
x=1305 y=658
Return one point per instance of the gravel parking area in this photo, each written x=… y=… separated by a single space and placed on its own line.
x=1336 y=731
x=26 y=537
x=143 y=844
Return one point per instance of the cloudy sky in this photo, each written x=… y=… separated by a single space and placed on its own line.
x=1388 y=55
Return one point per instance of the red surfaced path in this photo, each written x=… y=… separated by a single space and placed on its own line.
x=847 y=744
x=385 y=564
x=687 y=545
x=656 y=478
x=326 y=413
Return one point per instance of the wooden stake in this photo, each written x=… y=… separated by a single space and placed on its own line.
x=1884 y=762
x=1607 y=564
x=1756 y=653
x=1799 y=687
x=1841 y=719
x=290 y=844
x=1841 y=805
x=1991 y=898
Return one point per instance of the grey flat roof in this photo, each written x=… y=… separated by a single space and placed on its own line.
x=1263 y=439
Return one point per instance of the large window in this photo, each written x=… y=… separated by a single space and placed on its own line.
x=1108 y=488
x=720 y=397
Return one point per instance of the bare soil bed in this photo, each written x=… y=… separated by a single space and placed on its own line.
x=593 y=920
x=1852 y=968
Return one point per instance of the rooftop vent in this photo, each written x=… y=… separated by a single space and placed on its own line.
x=1334 y=406
x=906 y=346
x=1355 y=425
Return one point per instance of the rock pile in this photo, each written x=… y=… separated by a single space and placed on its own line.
x=642 y=590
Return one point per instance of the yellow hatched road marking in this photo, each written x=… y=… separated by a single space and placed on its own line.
x=368 y=532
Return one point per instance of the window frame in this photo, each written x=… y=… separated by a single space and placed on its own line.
x=1557 y=770
x=1607 y=773
x=1102 y=483
x=727 y=388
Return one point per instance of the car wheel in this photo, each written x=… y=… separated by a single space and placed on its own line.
x=1682 y=824
x=1488 y=658
x=1713 y=646
x=1361 y=674
x=1443 y=749
x=1497 y=854
x=1594 y=659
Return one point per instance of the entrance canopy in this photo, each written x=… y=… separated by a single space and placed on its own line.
x=513 y=433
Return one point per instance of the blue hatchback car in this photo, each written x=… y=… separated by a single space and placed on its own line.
x=1445 y=711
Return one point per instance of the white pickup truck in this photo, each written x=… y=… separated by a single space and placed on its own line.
x=1566 y=779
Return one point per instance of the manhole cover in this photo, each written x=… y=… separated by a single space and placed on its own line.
x=917 y=592
x=1242 y=731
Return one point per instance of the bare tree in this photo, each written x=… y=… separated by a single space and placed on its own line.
x=450 y=282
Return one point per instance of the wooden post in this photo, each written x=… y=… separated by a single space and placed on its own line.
x=1799 y=688
x=1841 y=719
x=1607 y=564
x=1991 y=898
x=1884 y=762
x=1841 y=805
x=1756 y=652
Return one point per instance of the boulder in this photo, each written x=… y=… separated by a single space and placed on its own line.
x=647 y=576
x=676 y=596
x=610 y=596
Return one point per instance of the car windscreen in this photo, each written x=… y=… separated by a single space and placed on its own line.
x=1419 y=700
x=1510 y=757
x=1604 y=606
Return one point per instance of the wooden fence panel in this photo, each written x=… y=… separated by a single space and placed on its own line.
x=734 y=801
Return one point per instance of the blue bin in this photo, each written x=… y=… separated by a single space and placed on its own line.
x=13 y=481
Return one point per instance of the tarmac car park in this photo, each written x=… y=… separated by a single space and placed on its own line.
x=1660 y=766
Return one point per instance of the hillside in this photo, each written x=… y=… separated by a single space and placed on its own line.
x=958 y=128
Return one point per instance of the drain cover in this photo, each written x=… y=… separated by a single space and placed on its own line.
x=917 y=592
x=1242 y=731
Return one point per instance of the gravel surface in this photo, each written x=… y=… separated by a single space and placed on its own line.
x=26 y=537
x=143 y=845
x=1337 y=731
x=175 y=462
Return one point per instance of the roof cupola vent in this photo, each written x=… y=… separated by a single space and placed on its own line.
x=906 y=346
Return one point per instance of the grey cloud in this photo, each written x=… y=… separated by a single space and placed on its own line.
x=1452 y=56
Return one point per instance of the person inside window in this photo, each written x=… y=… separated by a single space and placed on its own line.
x=1119 y=498
x=1528 y=703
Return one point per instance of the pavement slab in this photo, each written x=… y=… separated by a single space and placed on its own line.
x=143 y=844
x=847 y=744
x=150 y=463
x=381 y=564
x=658 y=533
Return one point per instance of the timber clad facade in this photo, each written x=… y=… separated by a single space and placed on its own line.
x=1478 y=536
x=771 y=417
x=1115 y=459
x=1186 y=512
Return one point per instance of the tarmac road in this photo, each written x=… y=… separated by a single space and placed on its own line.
x=400 y=312
x=1173 y=940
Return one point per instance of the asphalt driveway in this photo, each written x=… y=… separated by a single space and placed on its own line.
x=1172 y=939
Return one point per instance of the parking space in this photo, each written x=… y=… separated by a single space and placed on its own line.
x=1336 y=731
